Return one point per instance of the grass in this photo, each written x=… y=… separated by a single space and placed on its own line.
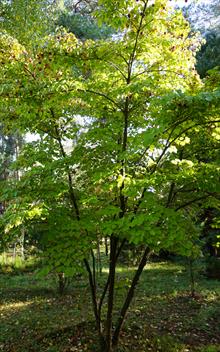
x=9 y=264
x=163 y=317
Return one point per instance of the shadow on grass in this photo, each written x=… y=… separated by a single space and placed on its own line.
x=162 y=316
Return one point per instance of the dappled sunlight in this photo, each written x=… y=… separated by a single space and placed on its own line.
x=121 y=269
x=212 y=297
x=150 y=266
x=164 y=266
x=109 y=176
x=8 y=307
x=162 y=304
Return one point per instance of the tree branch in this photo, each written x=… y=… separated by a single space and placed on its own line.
x=107 y=282
x=130 y=295
x=101 y=95
x=192 y=201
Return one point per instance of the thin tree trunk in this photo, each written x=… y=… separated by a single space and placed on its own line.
x=192 y=278
x=107 y=282
x=93 y=269
x=106 y=246
x=129 y=297
x=99 y=261
x=94 y=303
x=112 y=265
x=92 y=279
x=61 y=283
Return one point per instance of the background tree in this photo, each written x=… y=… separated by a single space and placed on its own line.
x=207 y=59
x=209 y=55
x=204 y=17
x=78 y=17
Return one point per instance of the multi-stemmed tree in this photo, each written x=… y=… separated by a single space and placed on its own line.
x=139 y=165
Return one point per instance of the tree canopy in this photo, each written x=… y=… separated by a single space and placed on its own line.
x=143 y=134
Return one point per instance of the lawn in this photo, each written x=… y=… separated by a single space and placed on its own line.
x=163 y=316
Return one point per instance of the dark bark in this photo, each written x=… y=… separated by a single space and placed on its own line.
x=106 y=247
x=123 y=203
x=70 y=180
x=193 y=201
x=170 y=196
x=93 y=268
x=107 y=282
x=94 y=299
x=129 y=297
x=99 y=260
x=112 y=265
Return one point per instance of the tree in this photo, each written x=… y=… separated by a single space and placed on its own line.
x=78 y=17
x=37 y=72
x=199 y=11
x=197 y=14
x=209 y=55
x=140 y=159
x=27 y=21
x=207 y=59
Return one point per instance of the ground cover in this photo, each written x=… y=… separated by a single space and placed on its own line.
x=163 y=316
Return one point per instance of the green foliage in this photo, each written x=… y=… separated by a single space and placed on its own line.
x=208 y=56
x=128 y=138
x=131 y=168
x=17 y=265
x=84 y=27
x=197 y=13
x=26 y=21
x=161 y=315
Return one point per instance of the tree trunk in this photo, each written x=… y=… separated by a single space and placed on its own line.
x=91 y=274
x=107 y=282
x=192 y=278
x=99 y=261
x=112 y=265
x=129 y=297
x=106 y=246
x=61 y=283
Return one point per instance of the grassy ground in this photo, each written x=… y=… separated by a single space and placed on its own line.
x=163 y=317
